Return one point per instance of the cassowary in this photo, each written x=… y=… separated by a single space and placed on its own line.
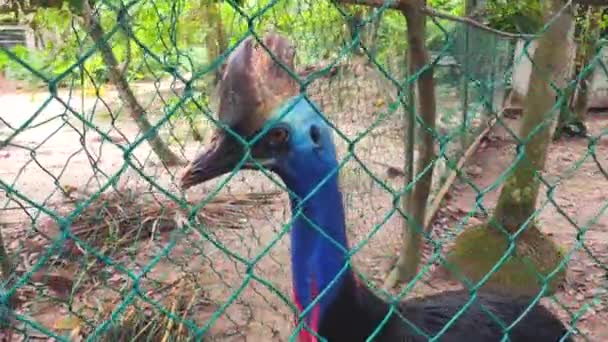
x=257 y=95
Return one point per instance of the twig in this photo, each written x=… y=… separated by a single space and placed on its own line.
x=465 y=20
x=170 y=323
x=599 y=165
x=186 y=310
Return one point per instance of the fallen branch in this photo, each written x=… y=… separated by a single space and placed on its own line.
x=447 y=185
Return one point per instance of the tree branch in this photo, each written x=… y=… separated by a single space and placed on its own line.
x=401 y=4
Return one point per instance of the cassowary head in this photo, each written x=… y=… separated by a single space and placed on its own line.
x=259 y=97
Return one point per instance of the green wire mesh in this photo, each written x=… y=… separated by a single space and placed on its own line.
x=101 y=244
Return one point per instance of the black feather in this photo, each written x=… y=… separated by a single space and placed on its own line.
x=357 y=312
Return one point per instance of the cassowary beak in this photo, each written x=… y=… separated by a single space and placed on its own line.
x=222 y=156
x=253 y=85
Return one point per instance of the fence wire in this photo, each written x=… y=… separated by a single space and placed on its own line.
x=101 y=244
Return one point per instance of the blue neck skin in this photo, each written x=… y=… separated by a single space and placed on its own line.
x=316 y=259
x=318 y=251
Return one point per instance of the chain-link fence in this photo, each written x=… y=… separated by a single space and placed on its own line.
x=101 y=244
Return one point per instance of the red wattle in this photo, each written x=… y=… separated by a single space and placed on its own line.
x=304 y=335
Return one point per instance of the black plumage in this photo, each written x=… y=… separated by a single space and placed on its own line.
x=357 y=312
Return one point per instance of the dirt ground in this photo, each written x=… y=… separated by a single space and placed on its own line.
x=578 y=221
x=238 y=302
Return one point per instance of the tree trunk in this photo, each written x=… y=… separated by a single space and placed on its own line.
x=588 y=45
x=517 y=201
x=565 y=114
x=372 y=43
x=354 y=26
x=575 y=124
x=469 y=6
x=6 y=268
x=215 y=38
x=5 y=262
x=115 y=75
x=215 y=43
x=480 y=249
x=410 y=254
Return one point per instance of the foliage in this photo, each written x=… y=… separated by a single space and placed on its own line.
x=13 y=70
x=454 y=7
x=161 y=40
x=168 y=41
x=525 y=16
x=522 y=16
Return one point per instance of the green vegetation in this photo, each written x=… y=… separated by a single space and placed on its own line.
x=168 y=34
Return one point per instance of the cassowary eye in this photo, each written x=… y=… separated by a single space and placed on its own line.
x=278 y=136
x=315 y=134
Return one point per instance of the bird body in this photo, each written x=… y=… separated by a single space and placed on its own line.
x=296 y=144
x=357 y=313
x=349 y=311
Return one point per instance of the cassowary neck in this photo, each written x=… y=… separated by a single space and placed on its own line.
x=319 y=245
